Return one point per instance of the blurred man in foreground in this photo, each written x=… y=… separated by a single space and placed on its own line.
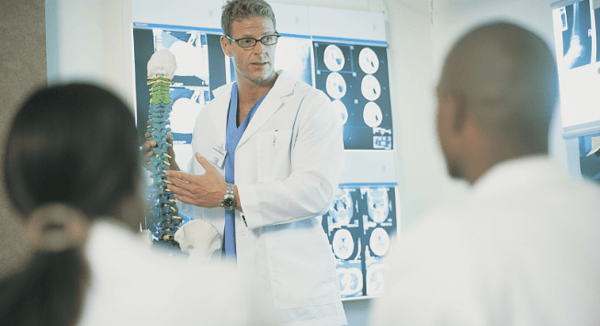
x=523 y=248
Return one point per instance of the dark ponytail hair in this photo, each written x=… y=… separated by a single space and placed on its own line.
x=50 y=291
x=74 y=144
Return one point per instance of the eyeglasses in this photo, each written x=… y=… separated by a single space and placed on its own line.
x=249 y=42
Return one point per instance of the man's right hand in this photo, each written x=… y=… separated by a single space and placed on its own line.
x=150 y=144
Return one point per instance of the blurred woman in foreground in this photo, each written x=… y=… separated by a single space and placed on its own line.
x=72 y=170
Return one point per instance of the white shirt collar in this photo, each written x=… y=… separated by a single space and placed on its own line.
x=516 y=173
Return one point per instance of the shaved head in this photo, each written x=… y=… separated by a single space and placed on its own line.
x=505 y=76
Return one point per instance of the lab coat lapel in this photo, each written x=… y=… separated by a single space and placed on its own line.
x=218 y=113
x=283 y=87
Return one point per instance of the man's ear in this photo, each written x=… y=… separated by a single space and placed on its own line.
x=458 y=111
x=226 y=46
x=56 y=227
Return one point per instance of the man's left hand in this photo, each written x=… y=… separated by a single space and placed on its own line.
x=205 y=190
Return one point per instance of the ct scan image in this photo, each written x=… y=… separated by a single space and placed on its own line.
x=361 y=225
x=355 y=77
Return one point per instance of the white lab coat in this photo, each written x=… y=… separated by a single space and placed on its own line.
x=287 y=168
x=521 y=250
x=132 y=284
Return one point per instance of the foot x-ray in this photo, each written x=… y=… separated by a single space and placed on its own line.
x=360 y=225
x=576 y=34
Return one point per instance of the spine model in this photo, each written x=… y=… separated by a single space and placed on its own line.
x=165 y=217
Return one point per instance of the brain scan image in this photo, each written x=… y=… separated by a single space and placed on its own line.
x=341 y=111
x=372 y=115
x=379 y=242
x=343 y=244
x=375 y=279
x=342 y=210
x=368 y=61
x=333 y=58
x=378 y=204
x=370 y=87
x=350 y=281
x=183 y=116
x=335 y=85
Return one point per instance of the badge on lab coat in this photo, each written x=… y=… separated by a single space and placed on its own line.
x=218 y=156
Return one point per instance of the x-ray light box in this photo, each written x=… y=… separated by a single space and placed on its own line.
x=576 y=32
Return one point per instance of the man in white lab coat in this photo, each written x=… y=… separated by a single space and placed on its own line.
x=279 y=147
x=523 y=248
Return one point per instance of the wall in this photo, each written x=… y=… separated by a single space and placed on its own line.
x=87 y=42
x=421 y=171
x=23 y=67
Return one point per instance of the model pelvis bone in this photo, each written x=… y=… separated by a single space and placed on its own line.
x=198 y=238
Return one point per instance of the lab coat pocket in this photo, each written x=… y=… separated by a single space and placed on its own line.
x=302 y=271
x=274 y=154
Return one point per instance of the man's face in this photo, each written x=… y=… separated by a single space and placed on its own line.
x=255 y=64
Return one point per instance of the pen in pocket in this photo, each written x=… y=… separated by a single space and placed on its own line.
x=275 y=137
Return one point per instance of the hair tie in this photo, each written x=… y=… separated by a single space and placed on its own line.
x=56 y=227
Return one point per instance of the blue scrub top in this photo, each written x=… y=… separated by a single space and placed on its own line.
x=234 y=134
